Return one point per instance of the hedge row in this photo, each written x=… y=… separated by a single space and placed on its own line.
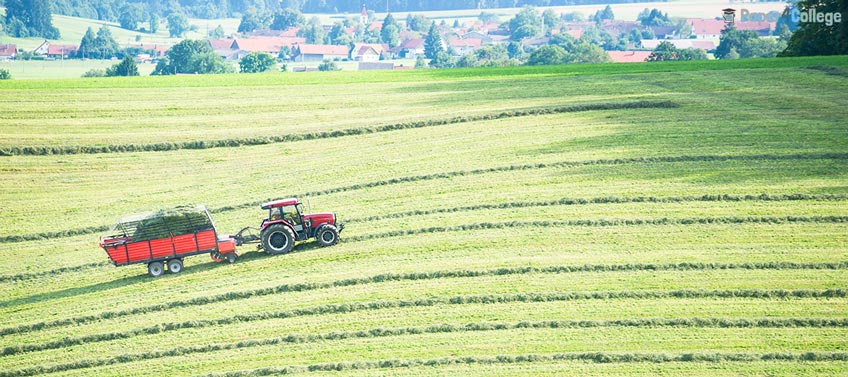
x=61 y=270
x=608 y=200
x=423 y=302
x=228 y=143
x=412 y=276
x=605 y=222
x=459 y=173
x=49 y=235
x=441 y=328
x=596 y=357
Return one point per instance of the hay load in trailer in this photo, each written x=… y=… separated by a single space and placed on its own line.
x=162 y=239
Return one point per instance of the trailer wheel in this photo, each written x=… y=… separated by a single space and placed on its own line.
x=277 y=239
x=216 y=257
x=328 y=235
x=175 y=266
x=155 y=269
x=231 y=257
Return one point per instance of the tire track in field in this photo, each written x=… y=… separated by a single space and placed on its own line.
x=230 y=143
x=425 y=302
x=605 y=223
x=609 y=200
x=57 y=271
x=594 y=357
x=415 y=276
x=443 y=328
x=460 y=173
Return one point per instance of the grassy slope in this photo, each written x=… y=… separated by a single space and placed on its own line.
x=789 y=114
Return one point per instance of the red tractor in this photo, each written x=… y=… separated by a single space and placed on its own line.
x=286 y=223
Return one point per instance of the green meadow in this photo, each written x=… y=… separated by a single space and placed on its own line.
x=670 y=218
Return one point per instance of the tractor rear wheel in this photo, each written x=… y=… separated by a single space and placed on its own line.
x=328 y=235
x=175 y=266
x=231 y=257
x=277 y=239
x=155 y=269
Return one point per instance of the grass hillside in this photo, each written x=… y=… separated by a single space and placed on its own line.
x=680 y=218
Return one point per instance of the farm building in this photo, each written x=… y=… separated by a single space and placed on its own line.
x=365 y=54
x=462 y=46
x=271 y=45
x=410 y=48
x=61 y=51
x=317 y=53
x=8 y=51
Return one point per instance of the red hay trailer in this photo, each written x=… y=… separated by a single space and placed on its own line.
x=164 y=238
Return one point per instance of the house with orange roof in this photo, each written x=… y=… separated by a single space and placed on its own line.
x=8 y=51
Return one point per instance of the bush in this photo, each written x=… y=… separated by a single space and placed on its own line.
x=5 y=74
x=328 y=65
x=95 y=72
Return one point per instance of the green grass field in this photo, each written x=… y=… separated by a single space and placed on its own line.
x=679 y=218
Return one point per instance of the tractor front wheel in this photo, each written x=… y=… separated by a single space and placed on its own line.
x=277 y=239
x=328 y=235
x=155 y=269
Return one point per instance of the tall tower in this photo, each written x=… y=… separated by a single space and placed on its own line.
x=363 y=17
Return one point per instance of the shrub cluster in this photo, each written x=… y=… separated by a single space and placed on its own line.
x=427 y=301
x=202 y=144
x=440 y=328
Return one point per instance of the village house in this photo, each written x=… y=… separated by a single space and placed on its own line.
x=364 y=54
x=317 y=53
x=680 y=43
x=410 y=49
x=463 y=46
x=8 y=51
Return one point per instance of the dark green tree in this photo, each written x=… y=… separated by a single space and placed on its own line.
x=250 y=21
x=605 y=14
x=338 y=35
x=314 y=32
x=105 y=43
x=217 y=33
x=88 y=46
x=154 y=23
x=177 y=25
x=433 y=43
x=527 y=23
x=417 y=23
x=390 y=33
x=126 y=67
x=732 y=38
x=287 y=18
x=820 y=38
x=191 y=56
x=131 y=16
x=30 y=18
x=256 y=62
x=548 y=55
x=653 y=17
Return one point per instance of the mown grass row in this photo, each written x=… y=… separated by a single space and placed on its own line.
x=425 y=302
x=559 y=202
x=607 y=200
x=57 y=271
x=829 y=69
x=204 y=144
x=461 y=173
x=604 y=223
x=414 y=276
x=596 y=357
x=435 y=329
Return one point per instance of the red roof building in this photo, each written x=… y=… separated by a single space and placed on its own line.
x=628 y=56
x=8 y=51
x=61 y=51
x=271 y=45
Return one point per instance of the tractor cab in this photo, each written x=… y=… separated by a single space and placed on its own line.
x=287 y=223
